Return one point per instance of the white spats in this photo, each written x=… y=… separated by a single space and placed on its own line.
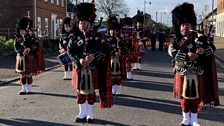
x=186 y=118
x=89 y=112
x=28 y=88
x=194 y=119
x=23 y=91
x=82 y=111
x=129 y=76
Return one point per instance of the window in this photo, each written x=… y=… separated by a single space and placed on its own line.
x=52 y=1
x=62 y=3
x=39 y=27
x=46 y=27
x=46 y=0
x=57 y=2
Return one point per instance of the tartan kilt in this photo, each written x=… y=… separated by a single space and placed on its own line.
x=30 y=65
x=140 y=54
x=119 y=79
x=178 y=85
x=131 y=57
x=123 y=70
x=76 y=78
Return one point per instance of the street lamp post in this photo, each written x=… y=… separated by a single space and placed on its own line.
x=145 y=8
x=212 y=10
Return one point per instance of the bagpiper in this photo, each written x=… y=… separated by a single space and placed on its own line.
x=117 y=55
x=26 y=48
x=139 y=40
x=63 y=43
x=126 y=36
x=192 y=55
x=90 y=57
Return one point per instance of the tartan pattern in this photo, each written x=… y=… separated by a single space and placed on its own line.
x=119 y=79
x=40 y=58
x=123 y=70
x=128 y=67
x=105 y=87
x=190 y=105
x=81 y=98
x=90 y=98
x=76 y=78
x=178 y=85
x=30 y=65
x=127 y=34
x=210 y=83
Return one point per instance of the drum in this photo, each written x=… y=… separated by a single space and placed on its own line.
x=64 y=58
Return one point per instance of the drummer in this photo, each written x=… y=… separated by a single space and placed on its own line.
x=66 y=30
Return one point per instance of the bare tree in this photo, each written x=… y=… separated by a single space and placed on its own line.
x=108 y=7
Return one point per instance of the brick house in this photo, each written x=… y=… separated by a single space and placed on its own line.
x=48 y=15
x=220 y=19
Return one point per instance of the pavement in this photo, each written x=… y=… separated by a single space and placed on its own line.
x=7 y=67
x=7 y=64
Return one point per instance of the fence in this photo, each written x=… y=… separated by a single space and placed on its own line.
x=8 y=32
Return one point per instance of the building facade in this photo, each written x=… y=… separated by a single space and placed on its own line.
x=47 y=15
x=220 y=19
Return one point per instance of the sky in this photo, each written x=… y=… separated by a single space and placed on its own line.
x=165 y=7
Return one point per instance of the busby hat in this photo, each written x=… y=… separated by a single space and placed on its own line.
x=140 y=17
x=183 y=14
x=67 y=20
x=112 y=22
x=128 y=21
x=85 y=11
x=25 y=23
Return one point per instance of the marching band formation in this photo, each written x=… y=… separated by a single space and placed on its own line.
x=92 y=61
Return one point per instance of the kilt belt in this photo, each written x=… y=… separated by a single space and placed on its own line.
x=185 y=67
x=86 y=85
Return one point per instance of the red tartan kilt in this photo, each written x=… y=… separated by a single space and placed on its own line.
x=75 y=78
x=132 y=57
x=140 y=54
x=178 y=85
x=31 y=64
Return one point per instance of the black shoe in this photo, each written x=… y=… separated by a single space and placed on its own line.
x=22 y=93
x=89 y=120
x=185 y=125
x=129 y=79
x=29 y=92
x=80 y=120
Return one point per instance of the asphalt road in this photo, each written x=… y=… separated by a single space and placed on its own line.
x=147 y=100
